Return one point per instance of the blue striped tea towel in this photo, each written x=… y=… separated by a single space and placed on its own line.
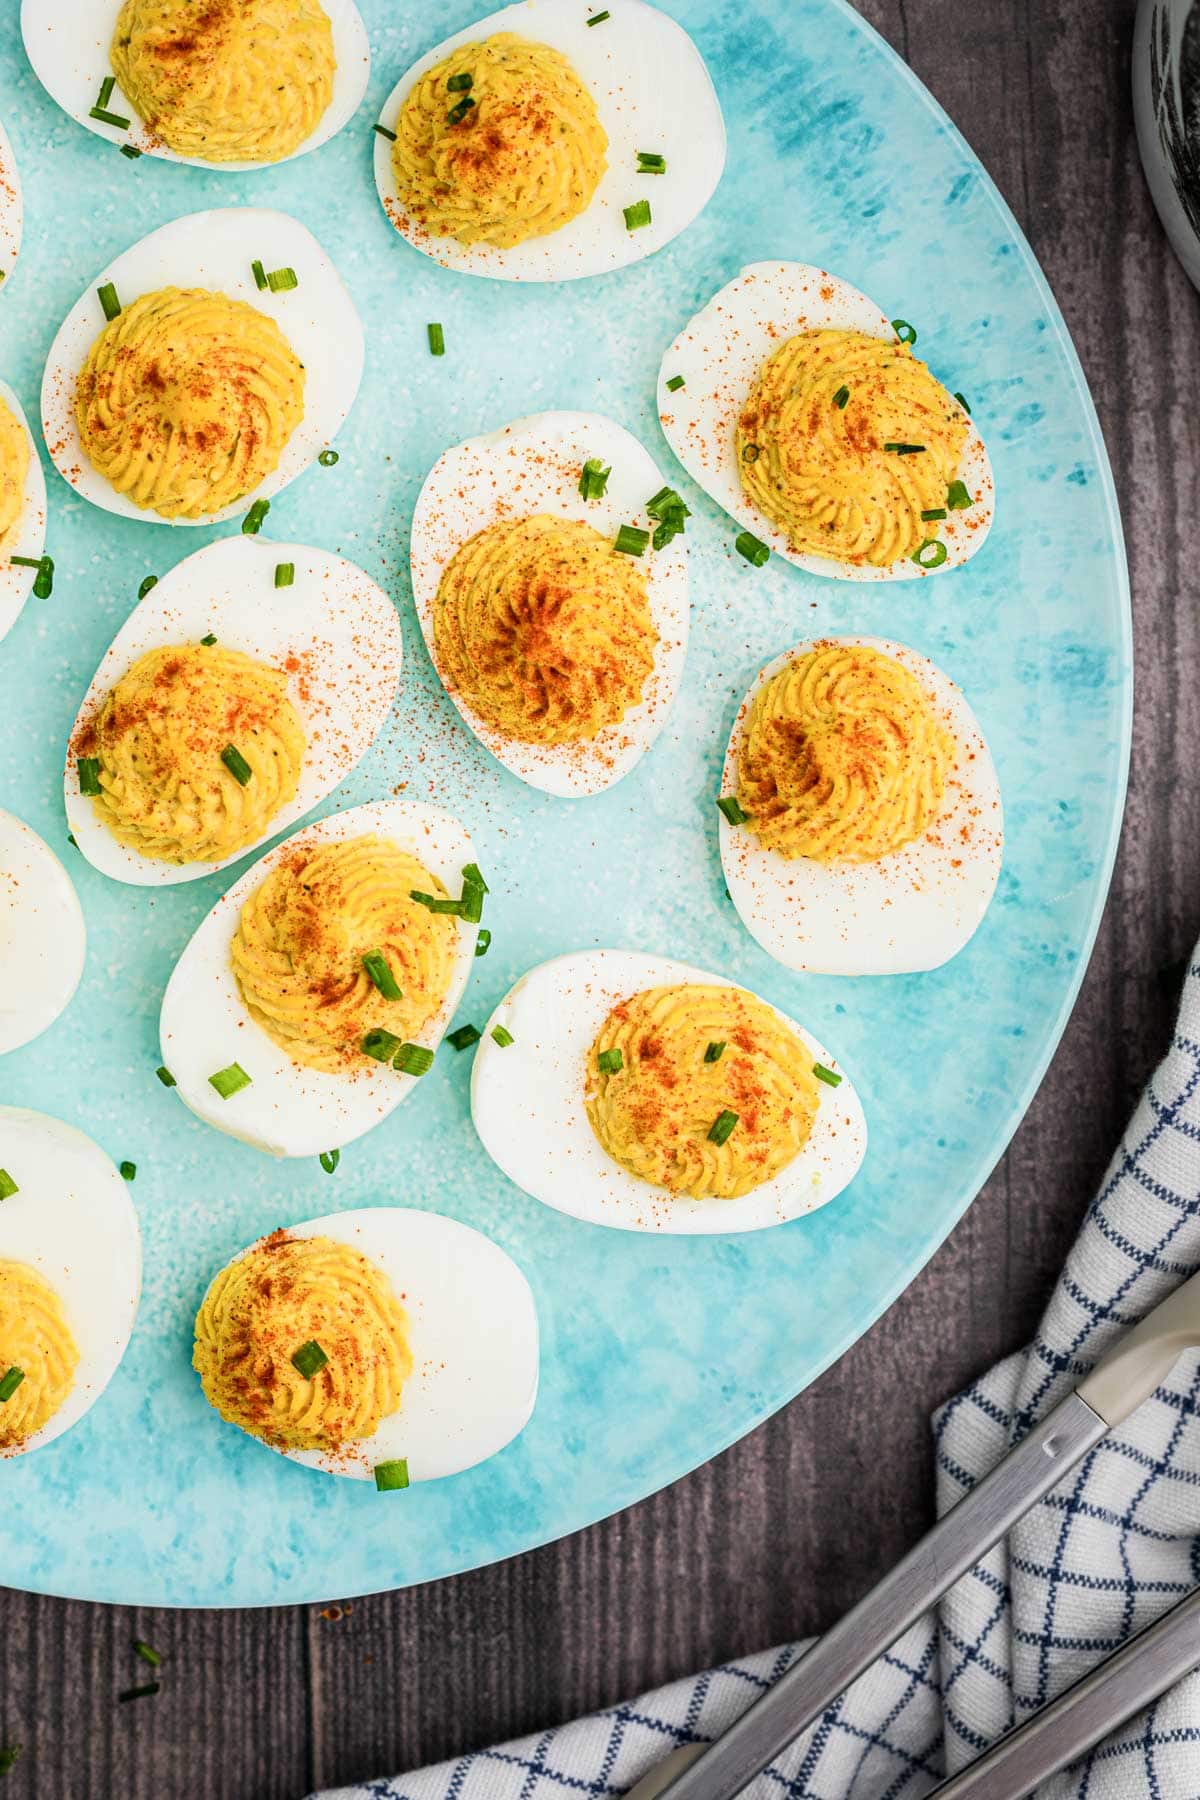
x=1115 y=1545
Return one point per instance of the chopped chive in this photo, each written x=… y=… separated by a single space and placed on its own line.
x=458 y=113
x=463 y=1038
x=721 y=1129
x=437 y=340
x=752 y=548
x=728 y=804
x=106 y=90
x=327 y=458
x=165 y=1076
x=610 y=1062
x=309 y=1359
x=89 y=775
x=147 y=1652
x=829 y=1076
x=237 y=765
x=503 y=1037
x=282 y=281
x=252 y=522
x=381 y=1045
x=329 y=1160
x=483 y=942
x=131 y=151
x=71 y=839
x=385 y=133
x=413 y=1059
x=209 y=639
x=715 y=1051
x=473 y=877
x=8 y=1186
x=632 y=540
x=958 y=495
x=109 y=118
x=672 y=515
x=26 y=562
x=109 y=303
x=964 y=403
x=460 y=84
x=144 y=1692
x=750 y=453
x=841 y=398
x=470 y=906
x=593 y=479
x=43 y=585
x=905 y=449
x=651 y=163
x=674 y=384
x=150 y=582
x=10 y=1382
x=637 y=215
x=9 y=1754
x=436 y=903
x=934 y=512
x=931 y=554
x=904 y=331
x=230 y=1081
x=128 y=1171
x=598 y=18
x=380 y=971
x=391 y=1475
x=285 y=574
x=259 y=274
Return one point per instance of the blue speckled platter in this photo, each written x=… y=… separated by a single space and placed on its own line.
x=657 y=1352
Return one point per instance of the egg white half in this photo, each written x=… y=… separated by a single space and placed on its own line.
x=534 y=466
x=12 y=211
x=290 y=1110
x=68 y=45
x=911 y=910
x=43 y=942
x=473 y=1333
x=73 y=1220
x=652 y=92
x=719 y=354
x=527 y=1101
x=29 y=533
x=340 y=631
x=215 y=250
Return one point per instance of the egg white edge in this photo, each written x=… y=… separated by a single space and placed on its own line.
x=598 y=238
x=12 y=208
x=355 y=1102
x=568 y=771
x=738 y=336
x=29 y=537
x=76 y=89
x=207 y=249
x=64 y=931
x=514 y=1089
x=749 y=868
x=102 y=1246
x=250 y=614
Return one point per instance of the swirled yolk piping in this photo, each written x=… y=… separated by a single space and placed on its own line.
x=14 y=467
x=36 y=1339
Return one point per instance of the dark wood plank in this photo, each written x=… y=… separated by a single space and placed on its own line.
x=777 y=1536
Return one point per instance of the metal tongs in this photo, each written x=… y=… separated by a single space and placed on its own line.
x=1144 y=1668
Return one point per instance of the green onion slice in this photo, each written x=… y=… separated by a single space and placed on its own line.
x=381 y=1045
x=252 y=522
x=391 y=1475
x=147 y=584
x=904 y=331
x=107 y=296
x=728 y=804
x=675 y=383
x=905 y=449
x=751 y=453
x=309 y=1359
x=281 y=281
x=458 y=113
x=10 y=1382
x=473 y=877
x=594 y=478
x=958 y=495
x=89 y=774
x=437 y=340
x=935 y=512
x=141 y=1693
x=637 y=216
x=463 y=1038
x=109 y=118
x=230 y=1081
x=598 y=18
x=721 y=1129
x=436 y=903
x=841 y=397
x=715 y=1052
x=147 y=1652
x=413 y=1059
x=26 y=562
x=651 y=163
x=329 y=1160
x=964 y=403
x=8 y=1186
x=43 y=585
x=752 y=548
x=829 y=1076
x=165 y=1076
x=260 y=275
x=131 y=151
x=632 y=540
x=237 y=765
x=380 y=971
x=931 y=554
x=384 y=132
x=106 y=90
x=460 y=84
x=502 y=1036
x=285 y=574
x=327 y=458
x=209 y=639
x=128 y=1171
x=483 y=942
x=610 y=1062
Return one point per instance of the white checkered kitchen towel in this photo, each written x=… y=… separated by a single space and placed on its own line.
x=1099 y=1558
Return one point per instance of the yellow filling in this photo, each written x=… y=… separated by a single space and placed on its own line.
x=226 y=80
x=282 y=1295
x=298 y=950
x=523 y=161
x=159 y=738
x=14 y=467
x=34 y=1337
x=544 y=630
x=187 y=399
x=843 y=758
x=820 y=472
x=655 y=1113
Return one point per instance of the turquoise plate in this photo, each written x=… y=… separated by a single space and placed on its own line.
x=656 y=1352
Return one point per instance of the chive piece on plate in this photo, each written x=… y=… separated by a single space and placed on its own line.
x=385 y=133
x=637 y=216
x=502 y=1036
x=329 y=1160
x=128 y=1171
x=106 y=90
x=209 y=639
x=327 y=458
x=413 y=1059
x=483 y=942
x=437 y=339
x=905 y=449
x=841 y=398
x=165 y=1076
x=252 y=522
x=632 y=540
x=931 y=554
x=715 y=1051
x=110 y=118
x=131 y=151
x=829 y=1076
x=958 y=495
x=934 y=512
x=10 y=1382
x=729 y=805
x=144 y=1692
x=282 y=281
x=381 y=1045
x=460 y=84
x=26 y=562
x=237 y=765
x=89 y=775
x=379 y=970
x=309 y=1359
x=674 y=384
x=436 y=903
x=109 y=303
x=43 y=583
x=147 y=1652
x=259 y=274
x=230 y=1081
x=610 y=1062
x=285 y=574
x=8 y=1186
x=904 y=331
x=458 y=112
x=147 y=584
x=598 y=18
x=751 y=453
x=389 y=1476
x=464 y=1037
x=964 y=403
x=651 y=163
x=752 y=548
x=721 y=1129
x=593 y=479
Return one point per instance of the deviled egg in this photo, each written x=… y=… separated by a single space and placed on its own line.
x=562 y=649
x=43 y=942
x=312 y=999
x=70 y=1276
x=385 y=1344
x=861 y=824
x=549 y=141
x=802 y=410
x=640 y=1092
x=243 y=687
x=203 y=370
x=12 y=211
x=22 y=512
x=224 y=86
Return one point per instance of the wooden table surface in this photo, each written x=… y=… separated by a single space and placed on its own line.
x=775 y=1538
